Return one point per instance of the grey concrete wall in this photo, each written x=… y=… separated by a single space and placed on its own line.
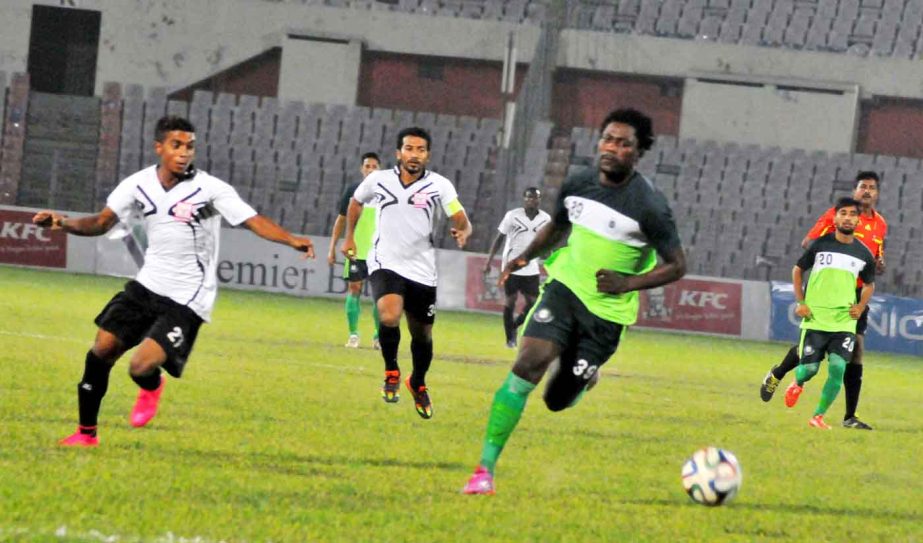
x=319 y=70
x=770 y=115
x=681 y=58
x=755 y=310
x=174 y=43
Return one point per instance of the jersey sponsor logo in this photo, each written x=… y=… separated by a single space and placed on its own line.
x=808 y=350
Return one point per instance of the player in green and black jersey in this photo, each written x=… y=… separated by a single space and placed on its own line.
x=619 y=223
x=828 y=308
x=355 y=270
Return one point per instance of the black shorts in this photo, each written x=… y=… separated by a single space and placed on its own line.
x=355 y=270
x=419 y=299
x=137 y=313
x=586 y=341
x=815 y=345
x=863 y=323
x=526 y=284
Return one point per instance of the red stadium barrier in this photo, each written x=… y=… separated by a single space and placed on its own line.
x=693 y=305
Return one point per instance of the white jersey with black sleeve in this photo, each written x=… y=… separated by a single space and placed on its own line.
x=183 y=226
x=520 y=230
x=403 y=240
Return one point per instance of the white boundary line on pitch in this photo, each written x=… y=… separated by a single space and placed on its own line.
x=63 y=533
x=39 y=336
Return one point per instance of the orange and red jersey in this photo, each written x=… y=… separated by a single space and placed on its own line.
x=871 y=231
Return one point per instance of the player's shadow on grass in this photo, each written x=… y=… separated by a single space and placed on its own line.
x=287 y=462
x=793 y=508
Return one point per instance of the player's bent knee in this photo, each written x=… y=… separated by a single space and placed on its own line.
x=107 y=346
x=810 y=370
x=557 y=402
x=837 y=367
x=531 y=366
x=149 y=356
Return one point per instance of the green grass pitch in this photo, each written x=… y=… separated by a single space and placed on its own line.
x=278 y=433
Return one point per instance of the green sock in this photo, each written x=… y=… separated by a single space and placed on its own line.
x=352 y=313
x=835 y=370
x=376 y=319
x=804 y=372
x=509 y=402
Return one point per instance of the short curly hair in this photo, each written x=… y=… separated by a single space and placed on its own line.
x=644 y=128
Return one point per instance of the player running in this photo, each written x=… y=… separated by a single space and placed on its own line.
x=828 y=308
x=619 y=223
x=355 y=271
x=161 y=310
x=402 y=260
x=871 y=231
x=518 y=229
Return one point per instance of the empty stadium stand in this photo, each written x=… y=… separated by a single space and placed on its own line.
x=886 y=28
x=293 y=160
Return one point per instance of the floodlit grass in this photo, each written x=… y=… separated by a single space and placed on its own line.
x=278 y=433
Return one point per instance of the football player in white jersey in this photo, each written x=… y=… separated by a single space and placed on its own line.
x=518 y=229
x=162 y=308
x=402 y=259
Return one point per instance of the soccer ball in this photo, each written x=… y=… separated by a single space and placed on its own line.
x=711 y=476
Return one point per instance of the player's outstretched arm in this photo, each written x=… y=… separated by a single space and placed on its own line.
x=495 y=246
x=93 y=225
x=855 y=311
x=545 y=239
x=265 y=228
x=352 y=218
x=672 y=269
x=338 y=226
x=802 y=309
x=461 y=227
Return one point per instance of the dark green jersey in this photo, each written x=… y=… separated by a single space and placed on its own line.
x=619 y=229
x=831 y=291
x=365 y=228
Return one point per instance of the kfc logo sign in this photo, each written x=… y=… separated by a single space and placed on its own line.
x=696 y=298
x=694 y=305
x=26 y=244
x=21 y=231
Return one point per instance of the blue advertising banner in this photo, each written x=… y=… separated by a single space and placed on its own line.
x=895 y=323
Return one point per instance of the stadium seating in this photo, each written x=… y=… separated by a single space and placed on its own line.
x=859 y=27
x=292 y=160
